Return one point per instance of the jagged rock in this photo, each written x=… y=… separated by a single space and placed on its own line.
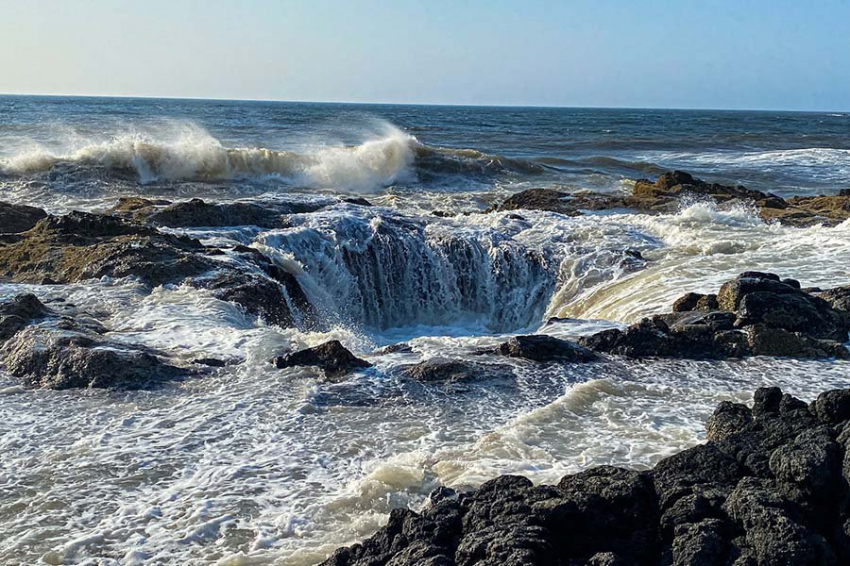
x=809 y=211
x=667 y=192
x=832 y=407
x=728 y=419
x=446 y=370
x=18 y=312
x=774 y=530
x=16 y=218
x=696 y=302
x=838 y=298
x=199 y=213
x=754 y=314
x=543 y=348
x=400 y=348
x=551 y=200
x=58 y=357
x=332 y=357
x=79 y=245
x=706 y=506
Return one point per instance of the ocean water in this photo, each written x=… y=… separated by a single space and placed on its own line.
x=254 y=465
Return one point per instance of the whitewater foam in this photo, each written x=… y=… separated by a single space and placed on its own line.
x=186 y=151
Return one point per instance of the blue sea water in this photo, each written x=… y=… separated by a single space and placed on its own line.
x=86 y=143
x=251 y=464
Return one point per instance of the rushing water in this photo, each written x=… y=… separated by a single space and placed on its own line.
x=254 y=465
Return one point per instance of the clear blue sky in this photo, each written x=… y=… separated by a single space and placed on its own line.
x=771 y=54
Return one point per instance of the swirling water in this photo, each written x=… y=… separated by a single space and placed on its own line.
x=254 y=465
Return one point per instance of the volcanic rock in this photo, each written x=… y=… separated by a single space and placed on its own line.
x=17 y=312
x=199 y=213
x=448 y=370
x=543 y=348
x=754 y=314
x=769 y=489
x=16 y=218
x=331 y=357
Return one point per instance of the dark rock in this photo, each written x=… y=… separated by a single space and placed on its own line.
x=551 y=200
x=400 y=348
x=773 y=528
x=81 y=246
x=668 y=191
x=754 y=314
x=199 y=213
x=832 y=407
x=16 y=218
x=258 y=295
x=332 y=357
x=359 y=201
x=540 y=199
x=61 y=358
x=696 y=302
x=766 y=490
x=18 y=312
x=766 y=341
x=810 y=211
x=728 y=419
x=543 y=348
x=838 y=298
x=445 y=370
x=78 y=246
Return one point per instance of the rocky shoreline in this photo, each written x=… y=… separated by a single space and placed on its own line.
x=754 y=314
x=769 y=487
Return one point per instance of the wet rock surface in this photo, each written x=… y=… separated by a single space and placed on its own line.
x=769 y=487
x=670 y=190
x=200 y=213
x=332 y=358
x=16 y=218
x=47 y=349
x=754 y=314
x=80 y=246
x=442 y=370
x=543 y=348
x=550 y=200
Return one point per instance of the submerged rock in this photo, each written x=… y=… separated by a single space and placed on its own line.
x=768 y=488
x=16 y=218
x=543 y=348
x=331 y=357
x=754 y=314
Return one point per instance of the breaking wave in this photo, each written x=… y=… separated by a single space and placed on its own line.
x=191 y=153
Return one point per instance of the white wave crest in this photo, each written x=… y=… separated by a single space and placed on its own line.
x=189 y=152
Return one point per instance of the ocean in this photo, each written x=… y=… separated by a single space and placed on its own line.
x=255 y=465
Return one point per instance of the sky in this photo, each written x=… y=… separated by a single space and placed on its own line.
x=747 y=54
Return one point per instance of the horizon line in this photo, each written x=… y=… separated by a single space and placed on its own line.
x=426 y=104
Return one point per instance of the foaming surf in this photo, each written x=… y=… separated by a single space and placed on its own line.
x=189 y=152
x=249 y=464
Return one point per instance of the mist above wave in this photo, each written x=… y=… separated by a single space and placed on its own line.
x=185 y=151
